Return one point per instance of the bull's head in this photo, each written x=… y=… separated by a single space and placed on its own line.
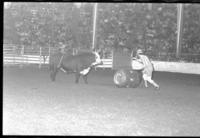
x=97 y=62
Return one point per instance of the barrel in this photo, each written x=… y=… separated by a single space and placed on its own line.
x=127 y=78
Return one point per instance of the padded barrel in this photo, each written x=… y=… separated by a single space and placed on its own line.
x=127 y=78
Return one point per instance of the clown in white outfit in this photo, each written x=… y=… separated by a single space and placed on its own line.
x=148 y=68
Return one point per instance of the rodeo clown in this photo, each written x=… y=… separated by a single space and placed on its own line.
x=148 y=68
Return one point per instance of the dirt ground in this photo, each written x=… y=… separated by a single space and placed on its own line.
x=33 y=105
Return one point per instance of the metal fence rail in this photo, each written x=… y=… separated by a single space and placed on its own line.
x=40 y=56
x=19 y=55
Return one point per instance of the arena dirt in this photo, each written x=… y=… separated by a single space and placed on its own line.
x=33 y=105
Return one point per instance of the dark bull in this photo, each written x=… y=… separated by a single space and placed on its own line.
x=80 y=64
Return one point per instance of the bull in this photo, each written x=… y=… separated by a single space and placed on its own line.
x=80 y=64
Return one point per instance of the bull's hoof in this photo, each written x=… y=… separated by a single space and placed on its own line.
x=53 y=80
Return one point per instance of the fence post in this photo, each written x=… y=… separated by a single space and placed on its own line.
x=14 y=54
x=112 y=54
x=49 y=53
x=104 y=57
x=73 y=53
x=22 y=55
x=40 y=57
x=27 y=59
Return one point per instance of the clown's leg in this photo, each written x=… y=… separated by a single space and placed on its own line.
x=148 y=78
x=145 y=80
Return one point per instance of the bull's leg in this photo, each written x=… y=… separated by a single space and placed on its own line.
x=51 y=68
x=77 y=75
x=85 y=79
x=53 y=74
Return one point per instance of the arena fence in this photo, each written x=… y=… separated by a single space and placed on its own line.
x=19 y=56
x=40 y=56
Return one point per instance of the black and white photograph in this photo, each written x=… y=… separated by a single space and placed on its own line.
x=101 y=69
